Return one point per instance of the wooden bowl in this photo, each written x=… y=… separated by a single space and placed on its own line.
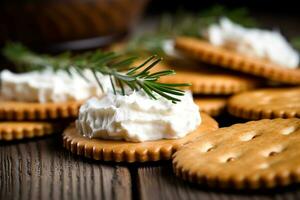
x=67 y=24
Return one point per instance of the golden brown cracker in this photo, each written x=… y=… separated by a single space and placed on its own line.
x=214 y=106
x=20 y=111
x=253 y=155
x=266 y=103
x=21 y=130
x=122 y=151
x=208 y=80
x=206 y=52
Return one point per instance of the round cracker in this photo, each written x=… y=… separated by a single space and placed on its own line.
x=21 y=130
x=266 y=103
x=208 y=80
x=253 y=155
x=206 y=52
x=214 y=106
x=122 y=151
x=20 y=111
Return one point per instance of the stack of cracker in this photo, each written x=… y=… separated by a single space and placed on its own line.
x=253 y=155
x=20 y=120
x=216 y=74
x=211 y=86
x=257 y=154
x=265 y=103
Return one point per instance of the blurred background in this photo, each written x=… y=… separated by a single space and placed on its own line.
x=59 y=25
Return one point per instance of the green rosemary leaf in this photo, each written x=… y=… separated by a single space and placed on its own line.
x=155 y=89
x=69 y=72
x=241 y=16
x=133 y=70
x=97 y=79
x=101 y=59
x=78 y=70
x=132 y=85
x=121 y=86
x=162 y=73
x=123 y=77
x=145 y=44
x=162 y=85
x=149 y=67
x=165 y=90
x=112 y=84
x=177 y=84
x=296 y=43
x=80 y=62
x=147 y=90
x=124 y=63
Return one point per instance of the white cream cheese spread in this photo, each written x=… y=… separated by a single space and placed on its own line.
x=269 y=45
x=48 y=86
x=169 y=49
x=137 y=118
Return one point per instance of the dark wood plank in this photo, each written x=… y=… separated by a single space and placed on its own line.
x=157 y=181
x=42 y=169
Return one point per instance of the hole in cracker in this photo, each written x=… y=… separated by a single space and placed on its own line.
x=228 y=158
x=207 y=147
x=288 y=130
x=210 y=149
x=249 y=136
x=273 y=151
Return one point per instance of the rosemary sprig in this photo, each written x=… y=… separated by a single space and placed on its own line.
x=106 y=63
x=237 y=15
x=145 y=44
x=25 y=60
x=296 y=43
x=184 y=23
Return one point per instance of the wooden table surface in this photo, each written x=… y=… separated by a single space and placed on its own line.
x=43 y=169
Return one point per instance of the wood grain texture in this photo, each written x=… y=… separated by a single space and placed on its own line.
x=157 y=181
x=42 y=169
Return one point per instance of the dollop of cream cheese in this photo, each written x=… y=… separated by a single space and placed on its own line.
x=269 y=45
x=49 y=86
x=137 y=118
